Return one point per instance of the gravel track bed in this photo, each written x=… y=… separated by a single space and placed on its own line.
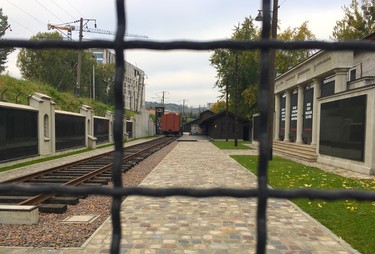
x=50 y=231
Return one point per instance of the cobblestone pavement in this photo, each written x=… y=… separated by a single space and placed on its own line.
x=207 y=225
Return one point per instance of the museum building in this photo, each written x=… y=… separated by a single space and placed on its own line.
x=328 y=102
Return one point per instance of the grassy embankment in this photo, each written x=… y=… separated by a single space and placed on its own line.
x=351 y=220
x=19 y=90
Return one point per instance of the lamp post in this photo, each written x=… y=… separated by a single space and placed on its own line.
x=93 y=81
x=79 y=61
x=236 y=105
x=226 y=108
x=272 y=74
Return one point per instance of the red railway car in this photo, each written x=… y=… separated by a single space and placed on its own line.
x=170 y=124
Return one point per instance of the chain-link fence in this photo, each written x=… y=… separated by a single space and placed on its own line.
x=263 y=192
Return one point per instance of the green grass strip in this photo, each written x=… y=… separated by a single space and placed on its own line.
x=230 y=144
x=352 y=221
x=28 y=163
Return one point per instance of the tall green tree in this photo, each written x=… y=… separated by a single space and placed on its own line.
x=285 y=59
x=4 y=52
x=218 y=106
x=56 y=67
x=357 y=23
x=104 y=83
x=238 y=70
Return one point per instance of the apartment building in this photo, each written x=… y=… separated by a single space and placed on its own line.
x=133 y=83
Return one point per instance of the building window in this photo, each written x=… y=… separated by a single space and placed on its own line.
x=99 y=57
x=327 y=87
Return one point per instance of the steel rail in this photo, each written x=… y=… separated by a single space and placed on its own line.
x=88 y=176
x=62 y=167
x=54 y=169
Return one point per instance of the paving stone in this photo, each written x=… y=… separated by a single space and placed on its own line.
x=209 y=225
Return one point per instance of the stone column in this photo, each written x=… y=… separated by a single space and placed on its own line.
x=315 y=124
x=341 y=80
x=109 y=115
x=46 y=122
x=277 y=117
x=89 y=114
x=287 y=115
x=299 y=115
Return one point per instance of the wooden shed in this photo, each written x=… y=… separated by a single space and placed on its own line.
x=222 y=126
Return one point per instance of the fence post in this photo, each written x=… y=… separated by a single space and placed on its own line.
x=109 y=115
x=46 y=122
x=88 y=112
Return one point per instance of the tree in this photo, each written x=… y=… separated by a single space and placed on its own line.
x=286 y=59
x=218 y=106
x=4 y=52
x=104 y=82
x=358 y=21
x=240 y=69
x=237 y=70
x=56 y=67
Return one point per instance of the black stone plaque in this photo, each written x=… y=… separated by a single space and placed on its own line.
x=342 y=128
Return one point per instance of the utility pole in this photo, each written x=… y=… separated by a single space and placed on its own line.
x=183 y=107
x=272 y=74
x=79 y=62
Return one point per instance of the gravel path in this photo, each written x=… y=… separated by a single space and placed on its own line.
x=52 y=232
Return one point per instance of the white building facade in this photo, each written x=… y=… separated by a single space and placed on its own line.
x=328 y=101
x=134 y=80
x=134 y=94
x=134 y=88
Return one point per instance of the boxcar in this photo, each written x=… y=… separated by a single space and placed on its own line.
x=170 y=124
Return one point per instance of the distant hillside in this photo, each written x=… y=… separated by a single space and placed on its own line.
x=176 y=107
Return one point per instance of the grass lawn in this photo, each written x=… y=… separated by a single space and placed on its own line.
x=352 y=221
x=230 y=144
x=27 y=163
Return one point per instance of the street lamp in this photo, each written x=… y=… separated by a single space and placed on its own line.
x=272 y=73
x=3 y=32
x=259 y=17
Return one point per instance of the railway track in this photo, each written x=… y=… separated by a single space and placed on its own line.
x=95 y=171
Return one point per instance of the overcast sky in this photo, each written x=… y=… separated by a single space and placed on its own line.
x=182 y=75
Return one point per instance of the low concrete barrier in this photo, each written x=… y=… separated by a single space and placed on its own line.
x=19 y=214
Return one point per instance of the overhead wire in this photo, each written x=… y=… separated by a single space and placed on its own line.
x=35 y=18
x=48 y=10
x=63 y=9
x=78 y=11
x=41 y=22
x=20 y=24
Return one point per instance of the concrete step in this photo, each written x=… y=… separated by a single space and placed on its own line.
x=299 y=151
x=295 y=149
